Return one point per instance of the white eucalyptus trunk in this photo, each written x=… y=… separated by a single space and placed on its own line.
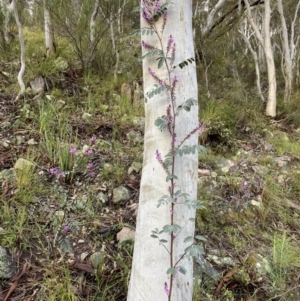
x=211 y=17
x=7 y=9
x=49 y=33
x=265 y=41
x=22 y=44
x=271 y=102
x=288 y=69
x=150 y=260
x=92 y=42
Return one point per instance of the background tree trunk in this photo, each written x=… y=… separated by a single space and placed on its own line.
x=22 y=44
x=151 y=260
x=49 y=34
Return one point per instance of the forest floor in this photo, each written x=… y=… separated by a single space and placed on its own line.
x=59 y=215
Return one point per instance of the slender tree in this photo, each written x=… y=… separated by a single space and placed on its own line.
x=149 y=280
x=265 y=41
x=49 y=33
x=22 y=44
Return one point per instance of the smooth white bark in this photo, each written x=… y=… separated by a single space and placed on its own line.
x=288 y=71
x=49 y=33
x=151 y=260
x=92 y=42
x=265 y=41
x=22 y=44
x=211 y=17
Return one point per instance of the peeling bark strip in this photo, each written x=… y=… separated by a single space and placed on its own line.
x=150 y=260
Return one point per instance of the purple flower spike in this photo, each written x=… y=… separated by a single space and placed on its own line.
x=90 y=165
x=151 y=72
x=158 y=156
x=89 y=152
x=65 y=229
x=175 y=79
x=72 y=150
x=93 y=138
x=156 y=6
x=201 y=127
x=53 y=171
x=166 y=289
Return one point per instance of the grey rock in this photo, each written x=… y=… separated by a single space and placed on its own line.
x=20 y=139
x=97 y=260
x=102 y=197
x=23 y=164
x=135 y=167
x=37 y=85
x=134 y=136
x=126 y=234
x=204 y=267
x=120 y=194
x=260 y=170
x=224 y=165
x=8 y=266
x=7 y=174
x=140 y=123
x=86 y=116
x=282 y=161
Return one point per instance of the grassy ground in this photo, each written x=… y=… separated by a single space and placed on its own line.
x=62 y=234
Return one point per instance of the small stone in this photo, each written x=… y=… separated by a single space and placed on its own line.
x=86 y=116
x=256 y=204
x=204 y=172
x=102 y=197
x=135 y=167
x=140 y=123
x=31 y=142
x=126 y=234
x=134 y=136
x=8 y=267
x=20 y=139
x=7 y=174
x=81 y=241
x=60 y=103
x=23 y=164
x=97 y=260
x=120 y=194
x=83 y=256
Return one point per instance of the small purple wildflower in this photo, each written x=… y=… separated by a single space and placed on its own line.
x=166 y=289
x=174 y=137
x=165 y=17
x=201 y=127
x=73 y=150
x=158 y=156
x=61 y=175
x=65 y=229
x=93 y=138
x=156 y=6
x=53 y=171
x=147 y=45
x=175 y=79
x=89 y=152
x=151 y=72
x=90 y=165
